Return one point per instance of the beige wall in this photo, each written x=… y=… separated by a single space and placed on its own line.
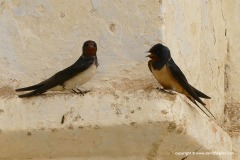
x=232 y=72
x=232 y=16
x=195 y=33
x=40 y=37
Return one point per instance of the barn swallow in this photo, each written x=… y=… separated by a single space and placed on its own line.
x=69 y=78
x=170 y=77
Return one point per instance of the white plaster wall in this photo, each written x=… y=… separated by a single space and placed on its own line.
x=42 y=37
x=232 y=72
x=39 y=38
x=195 y=33
x=232 y=67
x=232 y=14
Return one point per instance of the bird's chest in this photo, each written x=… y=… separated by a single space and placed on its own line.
x=164 y=77
x=81 y=78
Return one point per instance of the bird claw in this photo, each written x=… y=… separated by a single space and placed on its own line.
x=162 y=90
x=82 y=93
x=165 y=91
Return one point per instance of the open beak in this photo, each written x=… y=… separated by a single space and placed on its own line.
x=147 y=52
x=150 y=55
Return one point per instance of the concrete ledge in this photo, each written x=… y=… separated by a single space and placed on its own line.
x=142 y=124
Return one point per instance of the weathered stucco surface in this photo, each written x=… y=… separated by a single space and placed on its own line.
x=195 y=33
x=232 y=72
x=124 y=116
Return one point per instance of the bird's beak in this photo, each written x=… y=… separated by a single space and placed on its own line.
x=150 y=55
x=147 y=52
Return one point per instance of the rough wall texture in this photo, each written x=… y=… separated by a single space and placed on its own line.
x=232 y=67
x=232 y=72
x=39 y=38
x=195 y=33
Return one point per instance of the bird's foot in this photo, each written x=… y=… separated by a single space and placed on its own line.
x=166 y=91
x=161 y=89
x=78 y=91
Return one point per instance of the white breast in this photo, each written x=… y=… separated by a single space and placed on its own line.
x=81 y=78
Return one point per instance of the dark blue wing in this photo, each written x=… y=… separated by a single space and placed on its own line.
x=60 y=77
x=179 y=76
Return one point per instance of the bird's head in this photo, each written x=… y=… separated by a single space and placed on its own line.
x=89 y=48
x=158 y=52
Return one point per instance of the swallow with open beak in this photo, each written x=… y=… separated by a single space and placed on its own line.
x=170 y=77
x=70 y=78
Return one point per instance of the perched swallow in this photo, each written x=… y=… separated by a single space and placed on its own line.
x=169 y=75
x=68 y=79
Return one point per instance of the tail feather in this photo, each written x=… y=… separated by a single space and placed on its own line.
x=200 y=94
x=27 y=95
x=198 y=106
x=27 y=88
x=193 y=100
x=34 y=87
x=33 y=93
